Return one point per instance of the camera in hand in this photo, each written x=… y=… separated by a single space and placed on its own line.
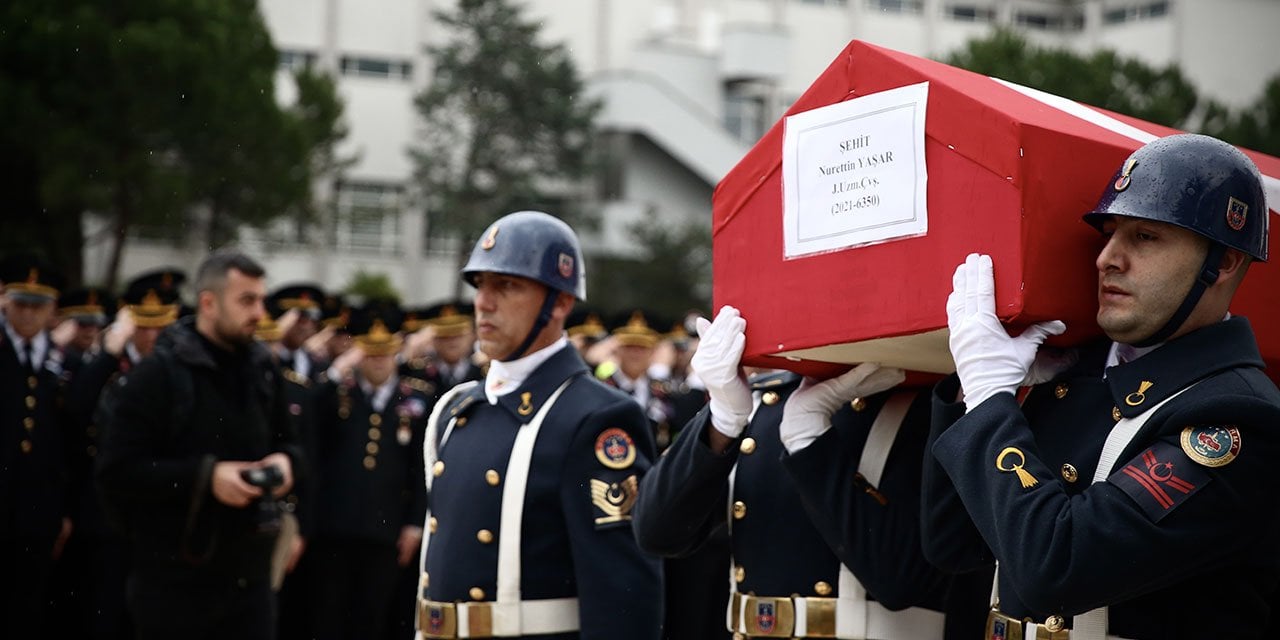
x=266 y=517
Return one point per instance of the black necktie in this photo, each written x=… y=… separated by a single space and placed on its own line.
x=28 y=350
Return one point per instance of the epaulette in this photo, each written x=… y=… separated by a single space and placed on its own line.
x=771 y=380
x=460 y=402
x=418 y=384
x=296 y=378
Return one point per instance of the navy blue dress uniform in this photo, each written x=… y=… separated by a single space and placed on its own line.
x=529 y=528
x=34 y=476
x=370 y=486
x=295 y=361
x=98 y=549
x=1175 y=536
x=575 y=541
x=796 y=520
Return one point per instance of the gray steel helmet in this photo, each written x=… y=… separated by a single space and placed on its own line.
x=1196 y=182
x=533 y=245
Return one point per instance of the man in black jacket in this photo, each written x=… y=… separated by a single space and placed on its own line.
x=199 y=435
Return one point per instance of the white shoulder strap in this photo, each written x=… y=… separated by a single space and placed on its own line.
x=429 y=456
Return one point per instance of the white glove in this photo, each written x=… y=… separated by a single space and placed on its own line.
x=988 y=359
x=807 y=414
x=716 y=361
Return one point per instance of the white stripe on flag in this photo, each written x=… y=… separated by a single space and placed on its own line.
x=1270 y=183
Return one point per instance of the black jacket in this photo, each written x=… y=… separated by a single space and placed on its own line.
x=159 y=450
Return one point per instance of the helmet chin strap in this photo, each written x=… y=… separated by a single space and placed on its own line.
x=1208 y=276
x=544 y=316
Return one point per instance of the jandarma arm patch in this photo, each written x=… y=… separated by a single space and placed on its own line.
x=615 y=449
x=1159 y=479
x=1211 y=445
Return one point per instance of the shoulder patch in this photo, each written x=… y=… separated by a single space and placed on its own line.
x=1211 y=445
x=615 y=449
x=1159 y=479
x=613 y=500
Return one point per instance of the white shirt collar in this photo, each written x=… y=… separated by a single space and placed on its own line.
x=1113 y=356
x=39 y=346
x=505 y=377
x=382 y=394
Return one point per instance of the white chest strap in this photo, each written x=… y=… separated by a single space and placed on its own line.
x=875 y=454
x=1092 y=625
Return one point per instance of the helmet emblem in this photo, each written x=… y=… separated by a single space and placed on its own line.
x=566 y=265
x=1123 y=181
x=491 y=239
x=1237 y=212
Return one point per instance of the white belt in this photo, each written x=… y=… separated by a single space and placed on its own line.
x=488 y=619
x=830 y=618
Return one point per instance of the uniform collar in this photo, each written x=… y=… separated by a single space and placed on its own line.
x=1138 y=385
x=505 y=377
x=542 y=382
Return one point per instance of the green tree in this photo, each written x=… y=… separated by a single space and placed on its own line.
x=505 y=123
x=371 y=286
x=1256 y=126
x=1102 y=79
x=144 y=112
x=670 y=274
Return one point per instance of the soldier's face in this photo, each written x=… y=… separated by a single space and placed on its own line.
x=1144 y=272
x=377 y=369
x=85 y=335
x=634 y=360
x=144 y=339
x=506 y=308
x=453 y=348
x=237 y=309
x=28 y=318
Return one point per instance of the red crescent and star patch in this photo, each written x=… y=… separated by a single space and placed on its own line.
x=1160 y=479
x=615 y=449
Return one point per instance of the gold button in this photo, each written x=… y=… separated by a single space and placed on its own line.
x=822 y=589
x=476 y=593
x=437 y=469
x=29 y=423
x=90 y=430
x=492 y=478
x=858 y=404
x=739 y=510
x=1054 y=623
x=748 y=445
x=485 y=536
x=31 y=402
x=370 y=462
x=1115 y=414
x=344 y=413
x=769 y=397
x=460 y=422
x=91 y=450
x=375 y=420
x=1060 y=391
x=740 y=573
x=431 y=524
x=1069 y=473
x=371 y=448
x=32 y=382
x=375 y=433
x=26 y=446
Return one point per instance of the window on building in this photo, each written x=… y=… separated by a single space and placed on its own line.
x=1131 y=13
x=896 y=6
x=376 y=68
x=969 y=13
x=368 y=216
x=1067 y=20
x=830 y=3
x=746 y=110
x=293 y=60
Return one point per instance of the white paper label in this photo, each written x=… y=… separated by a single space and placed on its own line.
x=853 y=173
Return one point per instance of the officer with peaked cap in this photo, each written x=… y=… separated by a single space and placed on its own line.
x=149 y=305
x=88 y=308
x=1130 y=495
x=635 y=341
x=372 y=491
x=34 y=511
x=306 y=299
x=533 y=472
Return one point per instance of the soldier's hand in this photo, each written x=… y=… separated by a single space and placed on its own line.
x=119 y=333
x=345 y=363
x=317 y=345
x=408 y=544
x=807 y=414
x=297 y=548
x=63 y=333
x=988 y=359
x=717 y=364
x=282 y=462
x=229 y=488
x=63 y=535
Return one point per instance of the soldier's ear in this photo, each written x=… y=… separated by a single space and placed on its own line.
x=563 y=306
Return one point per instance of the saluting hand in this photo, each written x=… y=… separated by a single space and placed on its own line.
x=119 y=333
x=988 y=359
